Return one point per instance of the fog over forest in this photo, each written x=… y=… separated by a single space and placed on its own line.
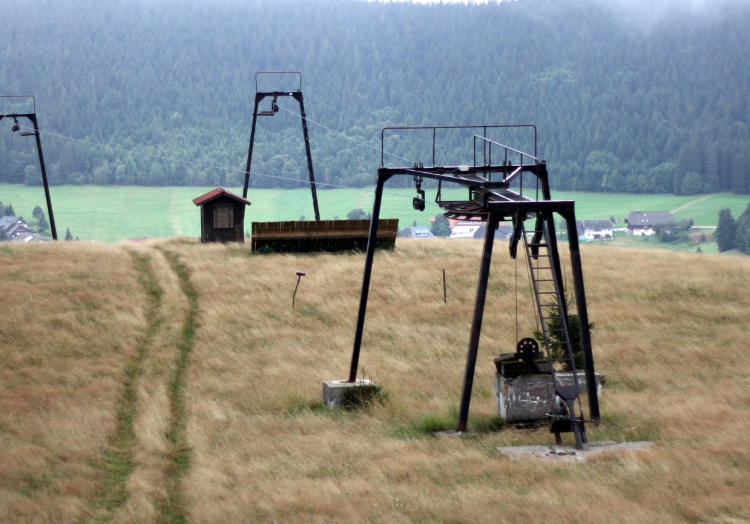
x=628 y=96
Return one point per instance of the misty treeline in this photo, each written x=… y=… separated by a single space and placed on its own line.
x=650 y=100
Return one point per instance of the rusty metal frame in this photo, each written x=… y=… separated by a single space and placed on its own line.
x=498 y=202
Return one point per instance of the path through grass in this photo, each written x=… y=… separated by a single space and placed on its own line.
x=179 y=454
x=118 y=460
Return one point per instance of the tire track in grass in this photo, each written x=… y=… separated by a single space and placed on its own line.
x=118 y=460
x=173 y=510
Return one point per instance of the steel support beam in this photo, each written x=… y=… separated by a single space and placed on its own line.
x=44 y=178
x=476 y=323
x=298 y=97
x=583 y=315
x=369 y=256
x=258 y=98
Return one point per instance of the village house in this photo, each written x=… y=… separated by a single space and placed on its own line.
x=465 y=228
x=416 y=232
x=595 y=229
x=501 y=233
x=641 y=223
x=17 y=230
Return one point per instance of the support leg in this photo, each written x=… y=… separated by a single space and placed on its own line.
x=371 y=242
x=577 y=432
x=298 y=96
x=476 y=324
x=583 y=317
x=53 y=228
x=258 y=98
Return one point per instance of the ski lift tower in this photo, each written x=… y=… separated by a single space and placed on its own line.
x=491 y=198
x=274 y=108
x=35 y=133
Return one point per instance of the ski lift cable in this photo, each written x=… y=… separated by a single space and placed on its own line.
x=208 y=166
x=346 y=136
x=438 y=146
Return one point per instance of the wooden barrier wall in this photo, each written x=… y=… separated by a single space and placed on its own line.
x=323 y=235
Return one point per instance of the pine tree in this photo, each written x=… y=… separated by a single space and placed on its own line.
x=42 y=222
x=356 y=214
x=9 y=211
x=742 y=233
x=68 y=236
x=725 y=230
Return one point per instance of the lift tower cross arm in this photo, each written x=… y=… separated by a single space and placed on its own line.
x=297 y=95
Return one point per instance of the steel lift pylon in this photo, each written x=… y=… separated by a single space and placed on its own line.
x=492 y=199
x=35 y=133
x=297 y=95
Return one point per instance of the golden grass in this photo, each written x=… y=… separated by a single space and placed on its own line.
x=671 y=338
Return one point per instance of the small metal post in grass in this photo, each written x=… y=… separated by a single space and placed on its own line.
x=300 y=274
x=445 y=292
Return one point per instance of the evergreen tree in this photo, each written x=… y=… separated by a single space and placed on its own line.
x=9 y=211
x=726 y=230
x=742 y=234
x=692 y=184
x=441 y=227
x=356 y=214
x=37 y=211
x=68 y=236
x=42 y=222
x=3 y=235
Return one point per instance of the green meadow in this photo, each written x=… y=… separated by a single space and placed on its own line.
x=113 y=213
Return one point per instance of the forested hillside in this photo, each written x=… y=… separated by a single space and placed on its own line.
x=641 y=101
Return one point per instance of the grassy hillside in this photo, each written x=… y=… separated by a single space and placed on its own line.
x=173 y=381
x=112 y=213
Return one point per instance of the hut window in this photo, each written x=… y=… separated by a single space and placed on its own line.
x=223 y=216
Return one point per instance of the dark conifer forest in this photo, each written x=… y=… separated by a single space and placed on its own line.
x=649 y=97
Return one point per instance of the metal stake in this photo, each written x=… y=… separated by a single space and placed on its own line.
x=300 y=274
x=445 y=292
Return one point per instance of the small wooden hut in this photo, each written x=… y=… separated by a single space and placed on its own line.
x=222 y=216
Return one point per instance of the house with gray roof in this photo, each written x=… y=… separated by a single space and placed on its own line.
x=14 y=227
x=501 y=233
x=416 y=232
x=641 y=223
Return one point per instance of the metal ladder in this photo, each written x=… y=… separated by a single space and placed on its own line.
x=549 y=296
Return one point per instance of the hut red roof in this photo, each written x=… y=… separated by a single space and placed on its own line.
x=216 y=193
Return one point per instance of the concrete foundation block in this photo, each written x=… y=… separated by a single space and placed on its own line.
x=333 y=390
x=531 y=397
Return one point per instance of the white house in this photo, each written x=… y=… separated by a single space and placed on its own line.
x=595 y=229
x=464 y=228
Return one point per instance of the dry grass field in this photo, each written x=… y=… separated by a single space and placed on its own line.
x=173 y=382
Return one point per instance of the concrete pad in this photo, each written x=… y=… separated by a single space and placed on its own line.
x=333 y=390
x=570 y=453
